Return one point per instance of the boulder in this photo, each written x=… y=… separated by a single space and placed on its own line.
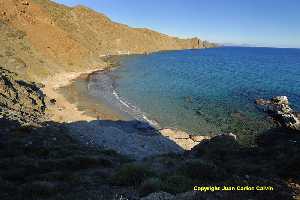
x=25 y=3
x=183 y=139
x=280 y=100
x=262 y=102
x=53 y=101
x=176 y=134
x=224 y=142
x=227 y=139
x=199 y=138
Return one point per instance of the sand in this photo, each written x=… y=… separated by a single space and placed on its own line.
x=63 y=110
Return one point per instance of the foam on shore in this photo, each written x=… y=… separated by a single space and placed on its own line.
x=101 y=85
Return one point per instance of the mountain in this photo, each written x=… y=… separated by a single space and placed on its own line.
x=40 y=38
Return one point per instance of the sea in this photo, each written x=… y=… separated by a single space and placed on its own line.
x=202 y=91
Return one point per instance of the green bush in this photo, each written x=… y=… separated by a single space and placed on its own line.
x=150 y=185
x=131 y=175
x=84 y=162
x=201 y=170
x=41 y=188
x=177 y=184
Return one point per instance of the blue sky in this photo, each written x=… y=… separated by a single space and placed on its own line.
x=258 y=22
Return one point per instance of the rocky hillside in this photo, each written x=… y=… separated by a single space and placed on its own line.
x=40 y=37
x=19 y=100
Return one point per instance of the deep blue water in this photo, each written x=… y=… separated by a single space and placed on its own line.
x=211 y=90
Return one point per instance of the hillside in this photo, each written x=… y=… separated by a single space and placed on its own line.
x=40 y=37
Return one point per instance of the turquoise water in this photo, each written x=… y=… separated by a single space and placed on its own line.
x=208 y=91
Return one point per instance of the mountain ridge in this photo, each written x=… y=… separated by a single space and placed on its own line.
x=42 y=38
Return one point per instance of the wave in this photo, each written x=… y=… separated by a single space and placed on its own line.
x=135 y=110
x=101 y=85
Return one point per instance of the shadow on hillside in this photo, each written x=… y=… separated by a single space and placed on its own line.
x=133 y=138
x=62 y=161
x=277 y=153
x=47 y=163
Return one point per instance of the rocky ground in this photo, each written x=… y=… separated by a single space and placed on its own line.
x=20 y=100
x=40 y=160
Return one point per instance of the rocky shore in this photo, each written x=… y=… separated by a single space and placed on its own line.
x=279 y=109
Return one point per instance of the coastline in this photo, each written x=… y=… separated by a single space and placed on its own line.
x=73 y=105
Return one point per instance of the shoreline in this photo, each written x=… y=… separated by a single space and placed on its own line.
x=73 y=111
x=63 y=110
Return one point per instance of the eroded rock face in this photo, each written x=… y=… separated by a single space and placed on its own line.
x=20 y=100
x=279 y=109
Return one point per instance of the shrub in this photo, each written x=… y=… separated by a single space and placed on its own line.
x=177 y=184
x=84 y=162
x=150 y=185
x=201 y=170
x=42 y=188
x=131 y=174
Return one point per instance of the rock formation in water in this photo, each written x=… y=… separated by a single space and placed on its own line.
x=40 y=37
x=278 y=107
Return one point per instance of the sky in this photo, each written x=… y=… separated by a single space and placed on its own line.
x=274 y=23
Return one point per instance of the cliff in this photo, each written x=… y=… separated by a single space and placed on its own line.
x=40 y=38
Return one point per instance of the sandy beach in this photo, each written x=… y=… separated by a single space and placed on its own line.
x=63 y=110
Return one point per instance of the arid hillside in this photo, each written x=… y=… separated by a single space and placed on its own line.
x=39 y=38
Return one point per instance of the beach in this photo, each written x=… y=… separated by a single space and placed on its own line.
x=63 y=110
x=106 y=127
x=72 y=102
x=137 y=89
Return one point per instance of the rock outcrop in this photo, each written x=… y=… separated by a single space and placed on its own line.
x=183 y=139
x=278 y=108
x=19 y=100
